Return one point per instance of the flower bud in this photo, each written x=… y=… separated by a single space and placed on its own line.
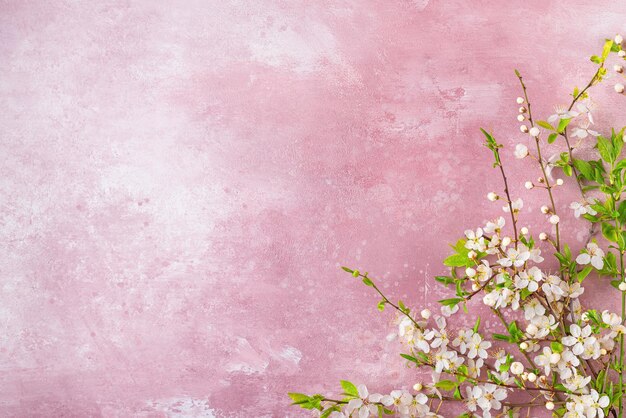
x=545 y=210
x=585 y=316
x=517 y=368
x=521 y=150
x=534 y=132
x=491 y=196
x=523 y=346
x=622 y=53
x=559 y=182
x=472 y=254
x=523 y=128
x=619 y=87
x=541 y=180
x=543 y=236
x=520 y=100
x=529 y=185
x=425 y=313
x=532 y=377
x=618 y=68
x=603 y=351
x=549 y=405
x=524 y=231
x=475 y=287
x=521 y=118
x=522 y=109
x=622 y=286
x=417 y=387
x=554 y=219
x=618 y=39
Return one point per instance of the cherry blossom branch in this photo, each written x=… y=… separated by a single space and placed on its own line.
x=540 y=158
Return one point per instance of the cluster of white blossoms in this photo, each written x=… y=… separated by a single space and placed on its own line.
x=550 y=351
x=590 y=405
x=401 y=402
x=513 y=279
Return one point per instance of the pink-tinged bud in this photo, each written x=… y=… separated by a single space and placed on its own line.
x=619 y=87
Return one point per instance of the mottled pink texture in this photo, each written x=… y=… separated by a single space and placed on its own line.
x=180 y=183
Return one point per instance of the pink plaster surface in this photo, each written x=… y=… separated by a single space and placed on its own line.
x=180 y=182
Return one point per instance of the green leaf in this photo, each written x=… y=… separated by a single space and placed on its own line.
x=552 y=137
x=451 y=301
x=556 y=346
x=609 y=232
x=563 y=124
x=402 y=307
x=501 y=337
x=457 y=394
x=381 y=305
x=605 y=148
x=607 y=48
x=617 y=141
x=446 y=384
x=584 y=168
x=298 y=398
x=545 y=124
x=349 y=388
x=409 y=358
x=368 y=282
x=476 y=325
x=329 y=411
x=567 y=169
x=455 y=260
x=622 y=211
x=446 y=280
x=463 y=370
x=584 y=273
x=492 y=145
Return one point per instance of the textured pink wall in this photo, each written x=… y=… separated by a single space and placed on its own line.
x=180 y=183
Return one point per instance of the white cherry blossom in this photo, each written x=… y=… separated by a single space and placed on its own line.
x=592 y=254
x=578 y=338
x=478 y=347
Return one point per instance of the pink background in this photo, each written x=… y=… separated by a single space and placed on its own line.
x=179 y=184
